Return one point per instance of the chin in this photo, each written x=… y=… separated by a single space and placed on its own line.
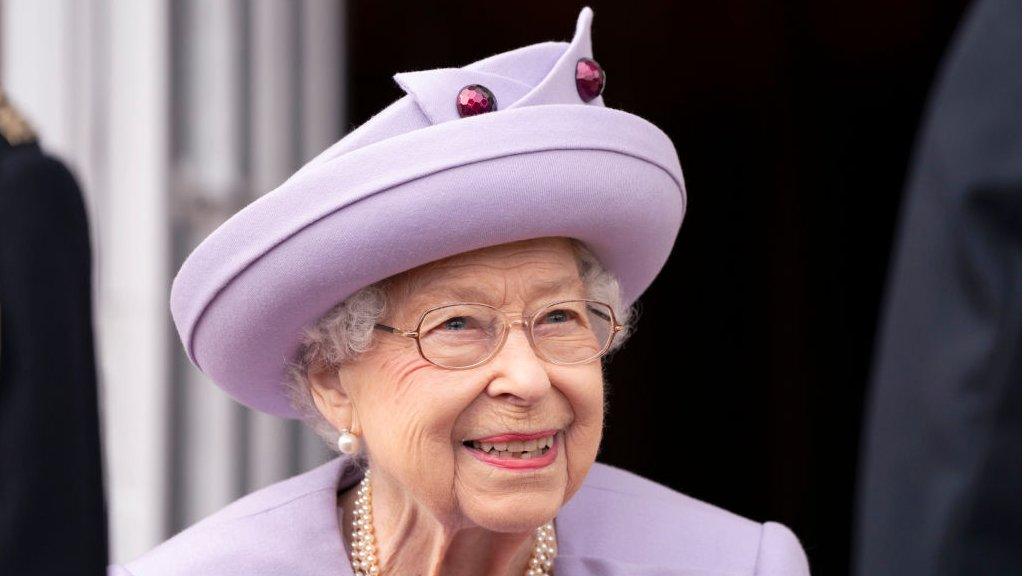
x=515 y=513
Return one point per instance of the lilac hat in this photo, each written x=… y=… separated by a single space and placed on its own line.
x=515 y=146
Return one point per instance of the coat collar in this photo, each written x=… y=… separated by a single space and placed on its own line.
x=575 y=556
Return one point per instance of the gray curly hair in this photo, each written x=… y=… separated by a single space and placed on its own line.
x=346 y=331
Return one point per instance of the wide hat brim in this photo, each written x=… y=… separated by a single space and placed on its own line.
x=243 y=298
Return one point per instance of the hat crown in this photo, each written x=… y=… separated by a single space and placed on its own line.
x=538 y=74
x=543 y=73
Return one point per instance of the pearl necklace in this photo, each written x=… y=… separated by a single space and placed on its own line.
x=364 y=544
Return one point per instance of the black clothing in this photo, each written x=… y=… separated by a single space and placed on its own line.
x=52 y=513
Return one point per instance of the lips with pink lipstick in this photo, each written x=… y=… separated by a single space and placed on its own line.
x=516 y=450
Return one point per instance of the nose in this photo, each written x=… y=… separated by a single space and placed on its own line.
x=518 y=372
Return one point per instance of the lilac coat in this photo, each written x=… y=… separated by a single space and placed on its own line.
x=616 y=524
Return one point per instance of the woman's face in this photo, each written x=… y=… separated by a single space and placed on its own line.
x=414 y=417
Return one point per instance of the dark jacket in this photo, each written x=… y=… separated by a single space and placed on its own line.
x=52 y=517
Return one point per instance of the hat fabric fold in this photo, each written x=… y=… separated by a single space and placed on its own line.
x=417 y=183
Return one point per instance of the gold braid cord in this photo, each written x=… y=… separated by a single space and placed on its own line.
x=13 y=126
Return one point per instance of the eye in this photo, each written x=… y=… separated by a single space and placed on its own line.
x=558 y=316
x=456 y=323
x=461 y=325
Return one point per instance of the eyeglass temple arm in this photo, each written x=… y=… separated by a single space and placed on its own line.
x=615 y=325
x=394 y=330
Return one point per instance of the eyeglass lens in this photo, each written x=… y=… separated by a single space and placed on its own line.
x=462 y=335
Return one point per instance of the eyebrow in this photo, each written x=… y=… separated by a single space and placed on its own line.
x=470 y=293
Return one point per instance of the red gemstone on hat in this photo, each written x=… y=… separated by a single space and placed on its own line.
x=589 y=79
x=475 y=99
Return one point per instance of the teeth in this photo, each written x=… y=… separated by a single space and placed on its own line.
x=517 y=449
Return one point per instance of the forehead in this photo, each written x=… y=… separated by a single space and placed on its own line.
x=522 y=271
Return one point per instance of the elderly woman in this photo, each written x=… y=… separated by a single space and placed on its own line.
x=434 y=293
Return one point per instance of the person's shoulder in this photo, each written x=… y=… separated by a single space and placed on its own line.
x=626 y=518
x=279 y=528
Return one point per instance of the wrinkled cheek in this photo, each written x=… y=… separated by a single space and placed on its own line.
x=427 y=465
x=434 y=481
x=583 y=438
x=582 y=441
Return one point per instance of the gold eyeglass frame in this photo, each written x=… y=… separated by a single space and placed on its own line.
x=527 y=323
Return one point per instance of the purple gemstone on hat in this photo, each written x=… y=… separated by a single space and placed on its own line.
x=589 y=79
x=475 y=99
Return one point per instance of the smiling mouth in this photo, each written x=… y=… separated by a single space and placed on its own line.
x=518 y=450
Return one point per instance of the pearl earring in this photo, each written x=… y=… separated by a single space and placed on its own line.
x=348 y=443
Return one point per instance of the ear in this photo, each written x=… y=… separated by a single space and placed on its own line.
x=332 y=399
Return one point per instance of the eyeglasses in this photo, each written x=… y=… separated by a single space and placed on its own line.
x=466 y=335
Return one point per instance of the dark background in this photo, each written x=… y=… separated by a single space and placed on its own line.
x=794 y=122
